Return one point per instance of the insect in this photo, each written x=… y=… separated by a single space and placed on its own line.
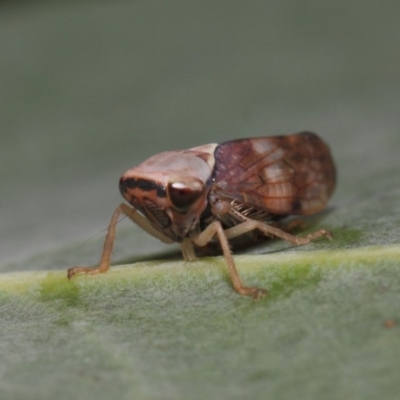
x=221 y=191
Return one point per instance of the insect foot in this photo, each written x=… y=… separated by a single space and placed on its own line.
x=255 y=292
x=84 y=270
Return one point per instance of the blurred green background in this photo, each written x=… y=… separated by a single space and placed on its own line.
x=89 y=89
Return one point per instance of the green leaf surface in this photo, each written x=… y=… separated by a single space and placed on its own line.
x=92 y=88
x=177 y=330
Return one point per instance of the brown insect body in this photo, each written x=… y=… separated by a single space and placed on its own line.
x=191 y=196
x=281 y=175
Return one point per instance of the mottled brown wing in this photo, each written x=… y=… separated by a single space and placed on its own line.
x=283 y=175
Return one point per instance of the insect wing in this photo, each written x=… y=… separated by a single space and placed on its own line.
x=280 y=174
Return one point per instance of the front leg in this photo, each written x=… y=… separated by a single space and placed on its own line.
x=202 y=238
x=104 y=264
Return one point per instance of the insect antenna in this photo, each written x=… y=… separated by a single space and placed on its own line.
x=102 y=231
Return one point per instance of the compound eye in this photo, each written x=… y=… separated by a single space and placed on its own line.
x=184 y=193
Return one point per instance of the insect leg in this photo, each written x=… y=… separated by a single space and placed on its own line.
x=144 y=223
x=104 y=264
x=187 y=250
x=107 y=249
x=269 y=230
x=205 y=236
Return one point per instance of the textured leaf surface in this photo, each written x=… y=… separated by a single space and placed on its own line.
x=169 y=330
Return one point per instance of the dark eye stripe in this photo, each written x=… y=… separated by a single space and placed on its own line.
x=142 y=184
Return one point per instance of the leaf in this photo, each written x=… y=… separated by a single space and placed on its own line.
x=93 y=88
x=177 y=330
